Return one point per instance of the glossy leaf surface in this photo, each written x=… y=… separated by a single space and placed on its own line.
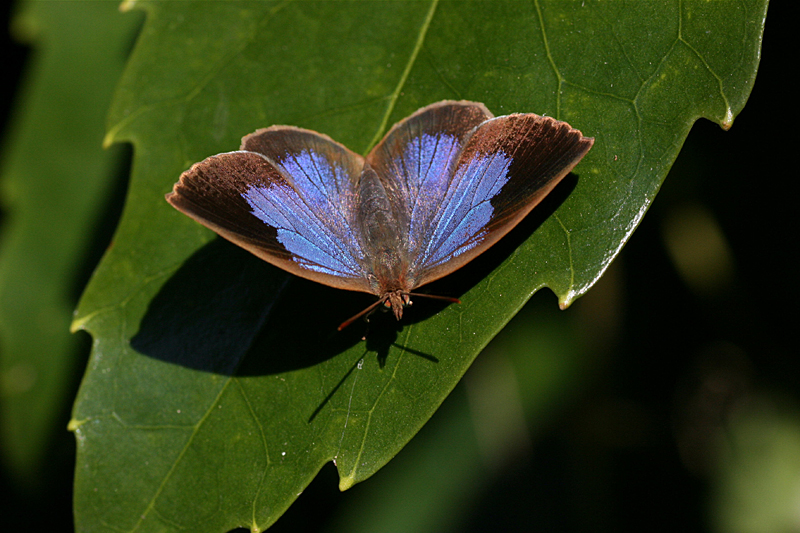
x=218 y=385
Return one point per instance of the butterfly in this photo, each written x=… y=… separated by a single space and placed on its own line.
x=440 y=188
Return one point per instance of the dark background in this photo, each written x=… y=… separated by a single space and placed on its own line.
x=636 y=447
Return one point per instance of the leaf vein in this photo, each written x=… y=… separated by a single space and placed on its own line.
x=404 y=76
x=151 y=504
x=550 y=58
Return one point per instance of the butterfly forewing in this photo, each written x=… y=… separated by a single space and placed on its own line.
x=286 y=197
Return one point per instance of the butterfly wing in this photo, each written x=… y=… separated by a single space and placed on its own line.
x=287 y=197
x=416 y=160
x=478 y=180
x=508 y=165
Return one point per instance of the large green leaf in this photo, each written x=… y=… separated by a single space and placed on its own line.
x=218 y=385
x=530 y=369
x=56 y=179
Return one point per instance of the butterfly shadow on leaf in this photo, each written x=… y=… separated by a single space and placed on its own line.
x=212 y=312
x=303 y=330
x=228 y=312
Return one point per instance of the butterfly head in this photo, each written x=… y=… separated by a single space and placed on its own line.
x=396 y=301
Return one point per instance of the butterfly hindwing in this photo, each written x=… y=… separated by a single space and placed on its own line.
x=416 y=161
x=287 y=197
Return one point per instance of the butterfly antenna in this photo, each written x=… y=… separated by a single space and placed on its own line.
x=355 y=317
x=435 y=297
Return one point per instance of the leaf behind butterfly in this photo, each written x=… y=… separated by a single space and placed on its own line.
x=218 y=386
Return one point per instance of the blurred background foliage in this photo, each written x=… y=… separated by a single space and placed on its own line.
x=671 y=396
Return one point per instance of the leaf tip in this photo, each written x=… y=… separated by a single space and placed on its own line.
x=78 y=324
x=727 y=121
x=73 y=424
x=346 y=482
x=564 y=301
x=108 y=140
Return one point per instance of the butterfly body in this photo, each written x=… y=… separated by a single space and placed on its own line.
x=385 y=244
x=442 y=186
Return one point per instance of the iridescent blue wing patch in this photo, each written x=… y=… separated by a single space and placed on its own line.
x=287 y=197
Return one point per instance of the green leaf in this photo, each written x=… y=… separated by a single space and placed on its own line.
x=218 y=385
x=529 y=370
x=56 y=180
